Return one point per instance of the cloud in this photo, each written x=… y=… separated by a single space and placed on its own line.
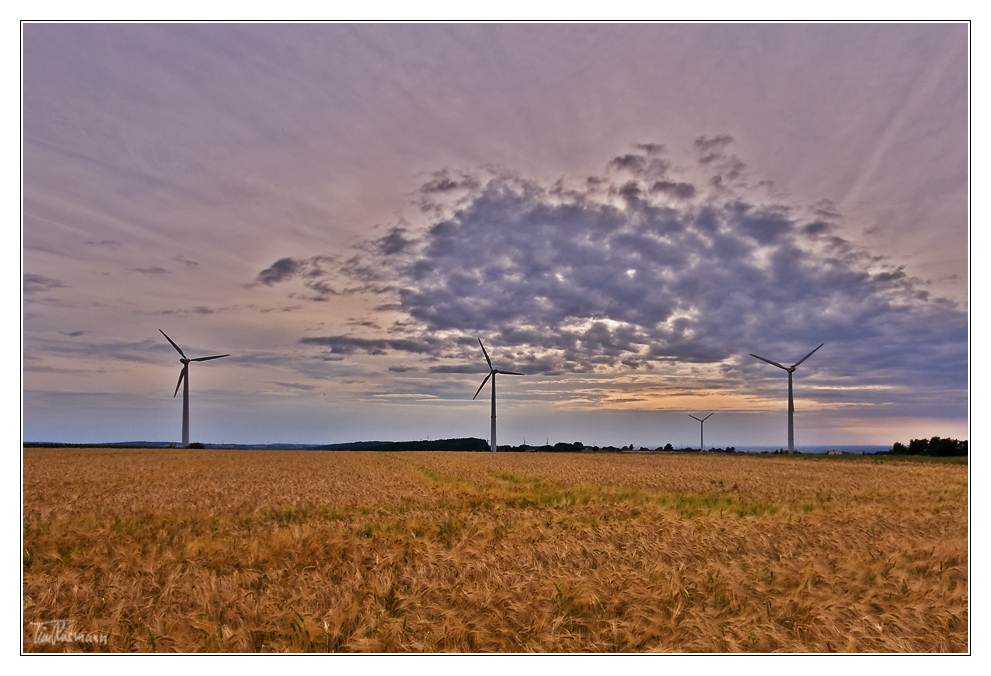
x=715 y=144
x=635 y=272
x=300 y=387
x=318 y=273
x=91 y=351
x=40 y=284
x=350 y=344
x=192 y=265
x=288 y=308
x=199 y=310
x=682 y=190
x=459 y=368
x=443 y=182
x=279 y=271
x=650 y=148
x=394 y=242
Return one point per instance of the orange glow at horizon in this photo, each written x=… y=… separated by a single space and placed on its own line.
x=710 y=400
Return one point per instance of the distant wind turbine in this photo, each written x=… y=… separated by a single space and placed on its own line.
x=791 y=401
x=701 y=431
x=184 y=381
x=492 y=374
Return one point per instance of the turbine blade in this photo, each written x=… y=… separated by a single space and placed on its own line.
x=482 y=385
x=182 y=373
x=486 y=354
x=178 y=349
x=707 y=417
x=806 y=356
x=509 y=373
x=773 y=363
x=216 y=356
x=691 y=416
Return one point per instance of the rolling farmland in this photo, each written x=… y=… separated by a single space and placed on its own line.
x=215 y=551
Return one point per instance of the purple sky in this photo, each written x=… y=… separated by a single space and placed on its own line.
x=621 y=212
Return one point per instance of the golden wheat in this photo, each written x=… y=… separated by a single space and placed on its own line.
x=193 y=551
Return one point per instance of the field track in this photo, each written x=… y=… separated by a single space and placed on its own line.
x=213 y=551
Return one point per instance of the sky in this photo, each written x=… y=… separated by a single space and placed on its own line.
x=622 y=212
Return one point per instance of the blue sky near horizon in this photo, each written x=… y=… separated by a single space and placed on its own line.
x=622 y=212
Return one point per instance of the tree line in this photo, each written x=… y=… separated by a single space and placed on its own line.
x=935 y=446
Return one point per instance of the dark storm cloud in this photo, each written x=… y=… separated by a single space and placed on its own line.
x=570 y=280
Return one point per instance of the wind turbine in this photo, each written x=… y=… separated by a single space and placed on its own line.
x=184 y=381
x=791 y=401
x=492 y=374
x=701 y=431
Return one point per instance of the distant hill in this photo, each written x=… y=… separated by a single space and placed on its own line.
x=168 y=444
x=468 y=444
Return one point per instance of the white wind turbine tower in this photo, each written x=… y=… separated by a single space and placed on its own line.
x=184 y=381
x=492 y=374
x=791 y=401
x=701 y=431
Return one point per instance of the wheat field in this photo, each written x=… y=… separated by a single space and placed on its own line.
x=276 y=551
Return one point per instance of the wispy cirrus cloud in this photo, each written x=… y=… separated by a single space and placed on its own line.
x=33 y=284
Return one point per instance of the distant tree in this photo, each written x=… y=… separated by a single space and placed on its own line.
x=562 y=447
x=947 y=447
x=935 y=446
